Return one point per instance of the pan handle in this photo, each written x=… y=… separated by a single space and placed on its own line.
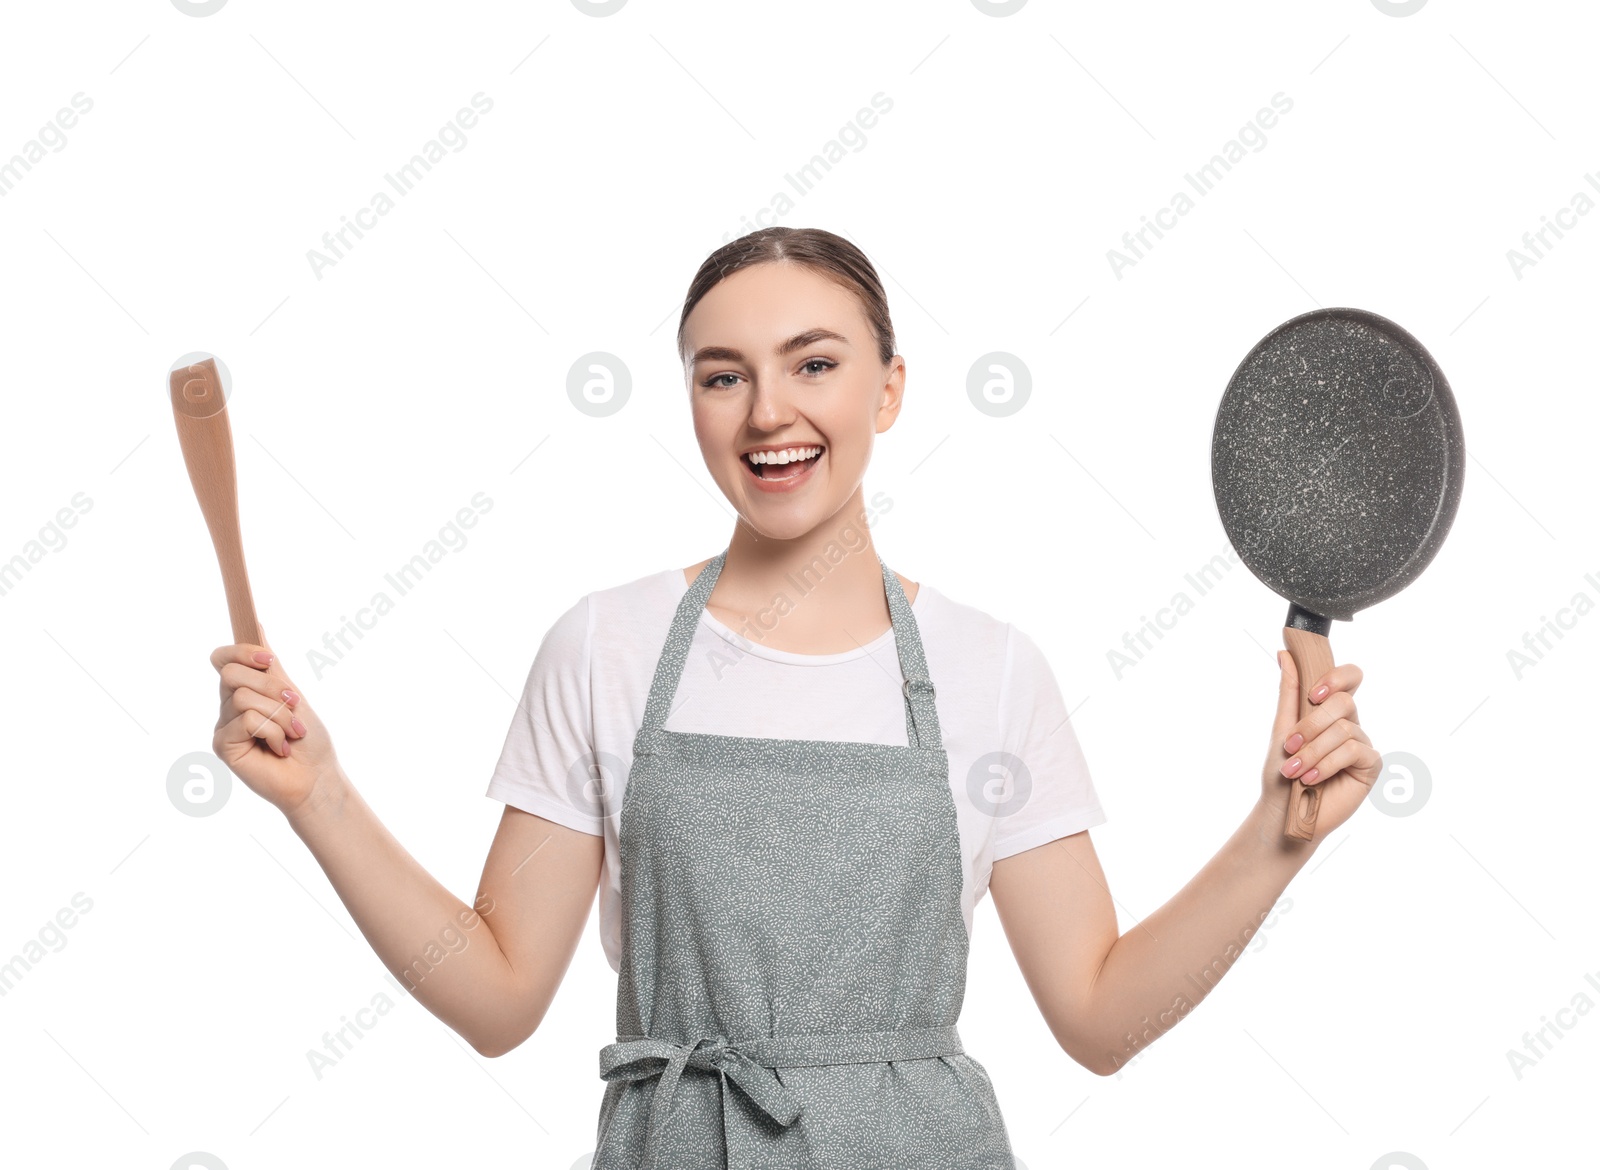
x=1313 y=658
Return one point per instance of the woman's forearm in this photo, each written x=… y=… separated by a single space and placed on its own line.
x=439 y=948
x=1159 y=970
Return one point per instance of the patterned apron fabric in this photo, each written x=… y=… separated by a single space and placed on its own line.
x=793 y=951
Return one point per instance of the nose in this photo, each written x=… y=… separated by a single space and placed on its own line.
x=770 y=404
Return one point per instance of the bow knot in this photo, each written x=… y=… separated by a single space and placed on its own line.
x=710 y=1052
x=638 y=1057
x=749 y=1064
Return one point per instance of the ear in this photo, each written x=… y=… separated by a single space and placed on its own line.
x=894 y=389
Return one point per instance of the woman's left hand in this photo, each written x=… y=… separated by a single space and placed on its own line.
x=1327 y=750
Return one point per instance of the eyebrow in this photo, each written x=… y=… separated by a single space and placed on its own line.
x=724 y=353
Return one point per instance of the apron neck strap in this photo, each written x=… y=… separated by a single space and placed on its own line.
x=922 y=717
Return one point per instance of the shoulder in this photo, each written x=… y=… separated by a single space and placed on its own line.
x=622 y=617
x=1000 y=649
x=962 y=636
x=948 y=615
x=664 y=584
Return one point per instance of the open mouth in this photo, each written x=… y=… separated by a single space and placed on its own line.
x=792 y=463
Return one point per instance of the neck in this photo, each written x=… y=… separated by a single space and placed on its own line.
x=828 y=568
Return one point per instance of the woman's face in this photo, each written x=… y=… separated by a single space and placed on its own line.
x=783 y=365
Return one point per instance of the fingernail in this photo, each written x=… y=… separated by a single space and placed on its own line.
x=291 y=698
x=1292 y=767
x=262 y=657
x=299 y=728
x=1310 y=777
x=283 y=749
x=1319 y=694
x=1292 y=744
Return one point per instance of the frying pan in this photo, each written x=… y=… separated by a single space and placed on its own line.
x=200 y=410
x=1337 y=462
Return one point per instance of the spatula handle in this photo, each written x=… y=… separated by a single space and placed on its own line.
x=201 y=414
x=1313 y=658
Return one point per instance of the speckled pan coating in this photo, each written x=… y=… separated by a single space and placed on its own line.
x=1337 y=460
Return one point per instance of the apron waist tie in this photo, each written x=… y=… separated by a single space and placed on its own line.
x=749 y=1063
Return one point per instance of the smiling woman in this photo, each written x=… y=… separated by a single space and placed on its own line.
x=788 y=855
x=789 y=358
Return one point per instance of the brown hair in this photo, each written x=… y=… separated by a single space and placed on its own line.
x=821 y=251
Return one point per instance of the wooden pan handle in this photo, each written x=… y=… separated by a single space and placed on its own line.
x=201 y=413
x=1313 y=658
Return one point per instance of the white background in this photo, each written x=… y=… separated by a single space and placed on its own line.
x=372 y=402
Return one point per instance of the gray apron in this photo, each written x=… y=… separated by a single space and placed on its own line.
x=793 y=951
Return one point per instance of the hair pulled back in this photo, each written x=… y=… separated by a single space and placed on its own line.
x=821 y=251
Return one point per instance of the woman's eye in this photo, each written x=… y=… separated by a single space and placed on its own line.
x=815 y=367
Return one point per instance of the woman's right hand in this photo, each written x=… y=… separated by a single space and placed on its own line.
x=267 y=733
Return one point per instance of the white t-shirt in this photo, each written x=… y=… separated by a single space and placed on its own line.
x=1017 y=774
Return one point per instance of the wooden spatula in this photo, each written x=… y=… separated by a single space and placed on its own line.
x=201 y=412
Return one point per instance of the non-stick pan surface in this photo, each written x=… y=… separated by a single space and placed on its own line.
x=1337 y=460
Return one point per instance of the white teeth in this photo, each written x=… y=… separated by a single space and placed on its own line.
x=788 y=455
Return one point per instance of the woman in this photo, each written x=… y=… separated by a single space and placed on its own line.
x=780 y=768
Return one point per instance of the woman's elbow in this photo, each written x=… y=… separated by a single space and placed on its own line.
x=489 y=1050
x=1099 y=1061
x=1101 y=1066
x=491 y=1047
